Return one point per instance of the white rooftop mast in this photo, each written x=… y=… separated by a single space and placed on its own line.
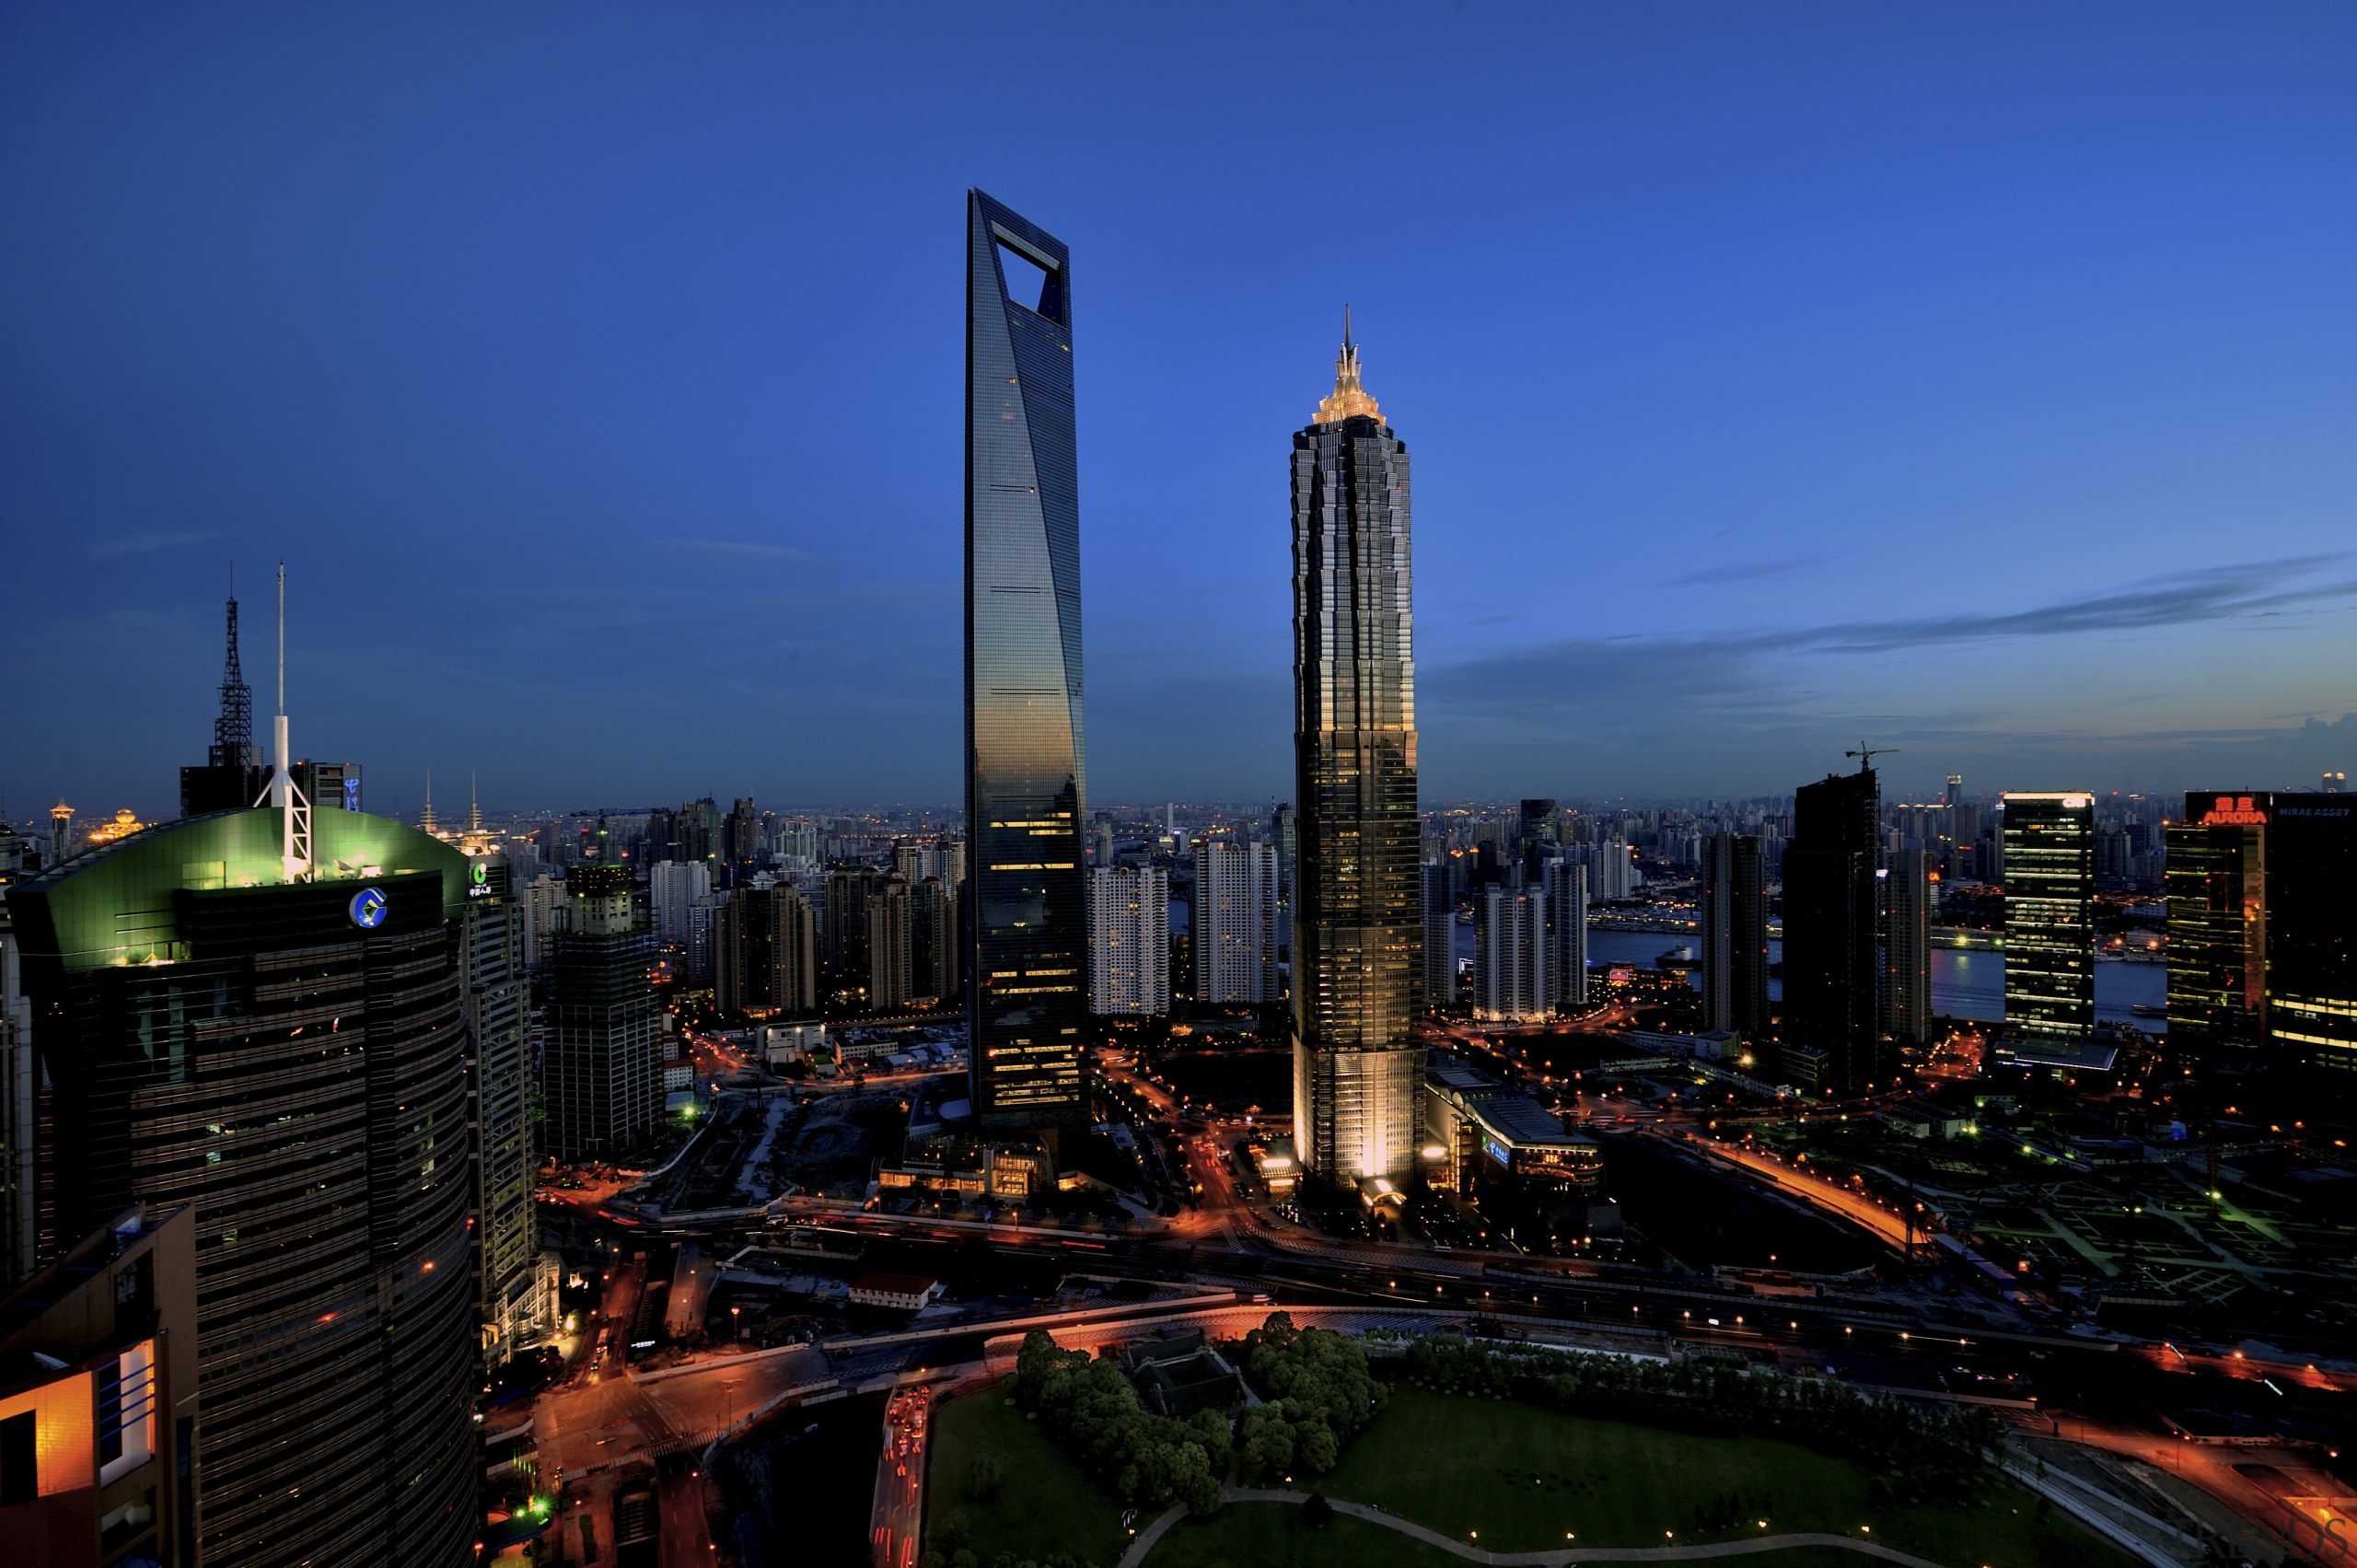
x=293 y=810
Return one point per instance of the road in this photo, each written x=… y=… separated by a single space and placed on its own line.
x=899 y=1509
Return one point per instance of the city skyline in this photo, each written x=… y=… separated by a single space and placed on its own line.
x=1805 y=404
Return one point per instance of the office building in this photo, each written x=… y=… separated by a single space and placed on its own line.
x=1285 y=832
x=1483 y=1138
x=765 y=950
x=1832 y=920
x=1440 y=934
x=1026 y=788
x=2263 y=933
x=2216 y=883
x=2050 y=923
x=600 y=1073
x=281 y=1047
x=99 y=1399
x=1129 y=941
x=1234 y=924
x=1510 y=978
x=19 y=1097
x=1358 y=920
x=1907 y=948
x=1734 y=937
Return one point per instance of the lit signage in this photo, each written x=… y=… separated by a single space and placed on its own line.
x=479 y=879
x=1496 y=1151
x=2236 y=810
x=369 y=908
x=351 y=792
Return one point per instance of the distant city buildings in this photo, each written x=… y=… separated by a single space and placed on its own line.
x=673 y=886
x=1129 y=941
x=1025 y=780
x=767 y=953
x=1358 y=924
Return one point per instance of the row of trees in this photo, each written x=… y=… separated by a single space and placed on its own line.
x=1922 y=1455
x=1318 y=1393
x=1089 y=1408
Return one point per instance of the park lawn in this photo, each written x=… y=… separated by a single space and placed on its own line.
x=1046 y=1505
x=1523 y=1476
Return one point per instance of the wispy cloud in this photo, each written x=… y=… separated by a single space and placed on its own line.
x=147 y=542
x=743 y=548
x=1751 y=571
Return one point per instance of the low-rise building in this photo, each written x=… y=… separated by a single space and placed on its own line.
x=894 y=1293
x=1181 y=1375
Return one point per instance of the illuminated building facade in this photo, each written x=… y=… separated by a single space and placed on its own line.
x=288 y=1058
x=2216 y=882
x=1440 y=934
x=1907 y=948
x=1129 y=941
x=2312 y=934
x=97 y=1398
x=1358 y=936
x=517 y=1281
x=1028 y=928
x=766 y=951
x=2050 y=920
x=1233 y=921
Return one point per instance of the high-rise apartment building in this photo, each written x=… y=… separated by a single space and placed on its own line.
x=1511 y=979
x=1358 y=924
x=1564 y=890
x=1907 y=948
x=1440 y=934
x=285 y=1051
x=891 y=955
x=932 y=939
x=1129 y=941
x=672 y=889
x=1833 y=1011
x=1025 y=781
x=766 y=952
x=1235 y=922
x=601 y=1066
x=843 y=935
x=2050 y=920
x=1734 y=936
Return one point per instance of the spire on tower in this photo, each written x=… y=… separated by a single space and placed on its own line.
x=233 y=731
x=425 y=818
x=474 y=809
x=1349 y=400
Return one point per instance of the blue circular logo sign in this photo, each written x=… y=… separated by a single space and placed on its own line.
x=369 y=908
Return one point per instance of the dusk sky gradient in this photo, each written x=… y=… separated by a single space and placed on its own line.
x=1982 y=381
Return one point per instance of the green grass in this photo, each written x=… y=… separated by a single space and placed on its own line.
x=1524 y=1476
x=1270 y=1535
x=1046 y=1503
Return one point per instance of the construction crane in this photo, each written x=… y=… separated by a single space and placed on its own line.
x=1866 y=754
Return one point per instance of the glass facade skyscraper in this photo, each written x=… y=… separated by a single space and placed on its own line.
x=2049 y=919
x=1357 y=938
x=1027 y=936
x=1831 y=1026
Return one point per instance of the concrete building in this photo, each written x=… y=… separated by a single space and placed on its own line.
x=1734 y=936
x=673 y=886
x=1234 y=923
x=1511 y=979
x=599 y=1070
x=767 y=952
x=1907 y=946
x=1440 y=934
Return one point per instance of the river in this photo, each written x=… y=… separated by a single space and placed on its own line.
x=1965 y=984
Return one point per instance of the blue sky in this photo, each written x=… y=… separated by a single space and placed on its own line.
x=1980 y=381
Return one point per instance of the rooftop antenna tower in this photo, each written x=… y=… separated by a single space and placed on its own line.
x=233 y=731
x=474 y=808
x=294 y=809
x=425 y=818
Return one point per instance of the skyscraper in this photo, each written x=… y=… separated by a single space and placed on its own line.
x=1234 y=921
x=1510 y=983
x=933 y=938
x=1440 y=934
x=2216 y=881
x=892 y=966
x=1831 y=1022
x=1907 y=948
x=1358 y=924
x=2312 y=937
x=1025 y=784
x=673 y=886
x=601 y=1073
x=1564 y=885
x=2050 y=920
x=1734 y=936
x=1129 y=941
x=515 y=1281
x=287 y=1054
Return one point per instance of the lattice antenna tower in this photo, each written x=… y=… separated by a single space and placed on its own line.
x=233 y=731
